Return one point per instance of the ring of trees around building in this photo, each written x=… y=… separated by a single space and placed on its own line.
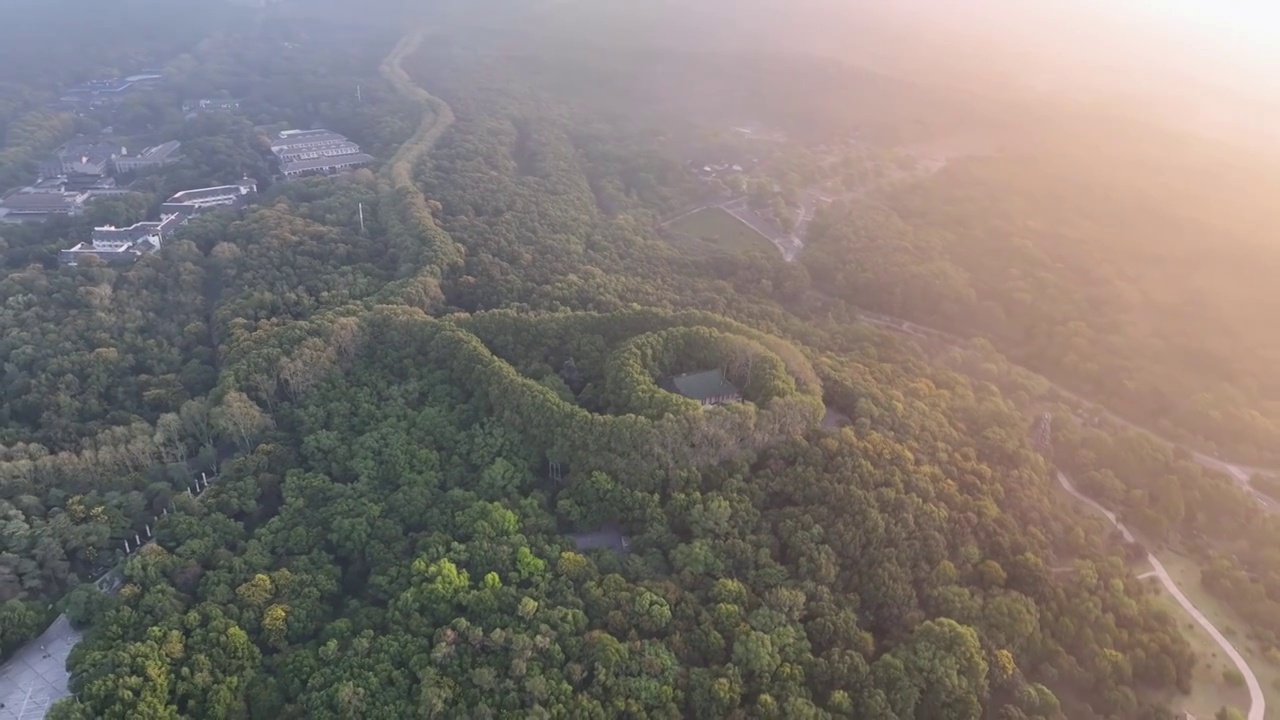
x=633 y=372
x=617 y=420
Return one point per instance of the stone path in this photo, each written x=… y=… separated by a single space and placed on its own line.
x=36 y=676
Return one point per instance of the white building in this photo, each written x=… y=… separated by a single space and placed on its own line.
x=315 y=152
x=193 y=202
x=124 y=245
x=116 y=245
x=152 y=157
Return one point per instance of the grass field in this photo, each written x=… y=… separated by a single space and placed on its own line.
x=1210 y=691
x=717 y=227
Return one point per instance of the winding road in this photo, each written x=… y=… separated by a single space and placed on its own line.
x=1257 y=702
x=1240 y=473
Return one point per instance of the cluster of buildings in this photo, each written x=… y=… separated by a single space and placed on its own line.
x=55 y=197
x=95 y=93
x=718 y=170
x=150 y=158
x=119 y=246
x=82 y=157
x=192 y=108
x=84 y=169
x=78 y=172
x=315 y=152
x=723 y=177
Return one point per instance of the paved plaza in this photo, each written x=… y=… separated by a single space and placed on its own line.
x=30 y=682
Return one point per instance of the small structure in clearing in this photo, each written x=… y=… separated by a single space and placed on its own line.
x=708 y=387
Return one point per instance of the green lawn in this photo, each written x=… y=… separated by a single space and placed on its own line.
x=717 y=227
x=1209 y=691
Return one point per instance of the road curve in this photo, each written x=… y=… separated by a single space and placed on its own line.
x=1242 y=474
x=1257 y=702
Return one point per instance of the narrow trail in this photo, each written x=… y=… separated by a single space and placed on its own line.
x=403 y=209
x=1257 y=701
x=437 y=115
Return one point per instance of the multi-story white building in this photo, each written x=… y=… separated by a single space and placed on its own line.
x=124 y=245
x=193 y=202
x=315 y=152
x=116 y=245
x=152 y=157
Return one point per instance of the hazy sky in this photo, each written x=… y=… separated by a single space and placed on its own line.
x=1243 y=30
x=1249 y=26
x=1238 y=41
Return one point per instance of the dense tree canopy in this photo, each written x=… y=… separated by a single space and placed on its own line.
x=1103 y=283
x=413 y=419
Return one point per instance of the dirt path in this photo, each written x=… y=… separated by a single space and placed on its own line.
x=403 y=209
x=437 y=115
x=1257 y=702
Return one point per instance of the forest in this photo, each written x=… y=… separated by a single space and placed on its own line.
x=107 y=371
x=1142 y=286
x=412 y=418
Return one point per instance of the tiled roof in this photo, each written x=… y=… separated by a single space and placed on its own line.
x=703 y=385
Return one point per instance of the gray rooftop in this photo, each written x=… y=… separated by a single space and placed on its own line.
x=703 y=385
x=157 y=153
x=326 y=162
x=40 y=202
x=283 y=143
x=193 y=195
x=295 y=154
x=93 y=149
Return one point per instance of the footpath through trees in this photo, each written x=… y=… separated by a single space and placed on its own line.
x=1257 y=701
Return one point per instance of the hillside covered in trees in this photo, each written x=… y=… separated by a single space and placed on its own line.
x=413 y=418
x=1147 y=283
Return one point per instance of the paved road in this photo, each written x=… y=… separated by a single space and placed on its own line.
x=36 y=676
x=1240 y=473
x=788 y=245
x=1257 y=702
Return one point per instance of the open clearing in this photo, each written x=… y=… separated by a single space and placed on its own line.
x=716 y=227
x=1210 y=691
